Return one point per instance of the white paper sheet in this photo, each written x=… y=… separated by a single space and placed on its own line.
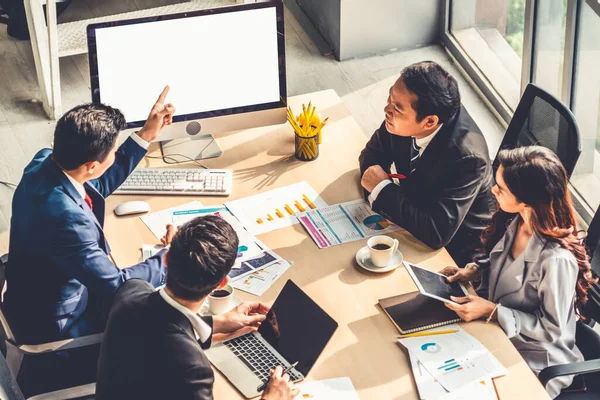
x=157 y=221
x=275 y=209
x=260 y=280
x=329 y=389
x=148 y=250
x=430 y=389
x=454 y=359
x=343 y=223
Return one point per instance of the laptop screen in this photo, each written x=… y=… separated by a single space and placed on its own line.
x=297 y=327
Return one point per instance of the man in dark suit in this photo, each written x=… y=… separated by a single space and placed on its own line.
x=152 y=346
x=60 y=279
x=444 y=196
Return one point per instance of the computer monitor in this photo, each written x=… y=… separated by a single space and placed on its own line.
x=225 y=68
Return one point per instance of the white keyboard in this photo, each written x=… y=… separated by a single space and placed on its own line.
x=178 y=181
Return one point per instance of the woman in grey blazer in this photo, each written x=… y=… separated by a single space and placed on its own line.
x=535 y=276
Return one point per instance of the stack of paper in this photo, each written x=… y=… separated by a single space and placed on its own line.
x=457 y=361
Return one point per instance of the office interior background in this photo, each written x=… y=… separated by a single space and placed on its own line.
x=357 y=48
x=493 y=47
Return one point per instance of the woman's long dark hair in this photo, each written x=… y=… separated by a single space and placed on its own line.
x=536 y=177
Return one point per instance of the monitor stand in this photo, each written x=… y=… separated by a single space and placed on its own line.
x=183 y=150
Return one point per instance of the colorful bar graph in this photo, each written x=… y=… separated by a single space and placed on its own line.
x=299 y=206
x=289 y=209
x=308 y=202
x=278 y=213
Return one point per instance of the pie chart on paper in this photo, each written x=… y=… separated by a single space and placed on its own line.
x=376 y=222
x=431 y=348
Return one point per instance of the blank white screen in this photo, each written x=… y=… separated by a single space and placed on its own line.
x=211 y=62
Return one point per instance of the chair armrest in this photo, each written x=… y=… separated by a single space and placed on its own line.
x=576 y=368
x=61 y=344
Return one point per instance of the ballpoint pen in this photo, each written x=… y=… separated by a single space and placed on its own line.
x=399 y=176
x=262 y=387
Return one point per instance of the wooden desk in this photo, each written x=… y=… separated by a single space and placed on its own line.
x=364 y=346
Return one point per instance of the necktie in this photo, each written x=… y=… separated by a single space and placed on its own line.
x=414 y=155
x=88 y=201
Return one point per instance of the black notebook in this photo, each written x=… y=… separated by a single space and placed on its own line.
x=414 y=312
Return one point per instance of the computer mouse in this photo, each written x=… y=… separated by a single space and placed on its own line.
x=132 y=207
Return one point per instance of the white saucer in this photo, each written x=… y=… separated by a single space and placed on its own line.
x=363 y=258
x=204 y=308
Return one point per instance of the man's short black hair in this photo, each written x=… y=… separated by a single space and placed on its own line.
x=436 y=90
x=201 y=255
x=86 y=133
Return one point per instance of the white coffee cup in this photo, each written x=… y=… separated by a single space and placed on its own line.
x=380 y=257
x=220 y=304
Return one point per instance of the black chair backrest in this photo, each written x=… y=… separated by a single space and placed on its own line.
x=588 y=341
x=541 y=119
x=592 y=242
x=9 y=390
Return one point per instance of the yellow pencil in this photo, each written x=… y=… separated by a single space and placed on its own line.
x=428 y=333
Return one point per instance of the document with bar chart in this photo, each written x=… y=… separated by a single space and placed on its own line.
x=276 y=208
x=455 y=360
x=343 y=223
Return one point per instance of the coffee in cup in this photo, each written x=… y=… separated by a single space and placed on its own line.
x=382 y=248
x=219 y=300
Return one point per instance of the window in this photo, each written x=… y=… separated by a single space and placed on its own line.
x=549 y=49
x=586 y=105
x=553 y=43
x=491 y=33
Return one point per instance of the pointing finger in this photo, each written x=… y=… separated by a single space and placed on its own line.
x=163 y=95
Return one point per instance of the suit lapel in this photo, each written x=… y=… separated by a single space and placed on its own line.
x=511 y=279
x=74 y=194
x=432 y=153
x=498 y=256
x=98 y=214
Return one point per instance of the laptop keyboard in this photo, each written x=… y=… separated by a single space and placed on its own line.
x=256 y=356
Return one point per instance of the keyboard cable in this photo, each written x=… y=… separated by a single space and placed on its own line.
x=163 y=157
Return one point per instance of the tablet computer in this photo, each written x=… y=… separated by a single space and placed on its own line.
x=435 y=285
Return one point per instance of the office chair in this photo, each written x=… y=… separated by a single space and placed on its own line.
x=592 y=242
x=15 y=353
x=588 y=341
x=541 y=119
x=9 y=390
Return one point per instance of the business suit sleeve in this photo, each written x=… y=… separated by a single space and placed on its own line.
x=74 y=249
x=190 y=371
x=435 y=220
x=376 y=152
x=556 y=291
x=127 y=158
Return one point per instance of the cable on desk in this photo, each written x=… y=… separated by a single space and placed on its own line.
x=179 y=162
x=8 y=184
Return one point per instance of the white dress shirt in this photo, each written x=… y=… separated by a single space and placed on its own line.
x=201 y=328
x=422 y=143
x=79 y=187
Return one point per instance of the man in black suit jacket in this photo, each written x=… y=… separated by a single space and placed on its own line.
x=444 y=196
x=152 y=345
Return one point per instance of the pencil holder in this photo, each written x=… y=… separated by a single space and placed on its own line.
x=308 y=132
x=306 y=147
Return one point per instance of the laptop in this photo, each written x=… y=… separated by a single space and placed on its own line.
x=296 y=329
